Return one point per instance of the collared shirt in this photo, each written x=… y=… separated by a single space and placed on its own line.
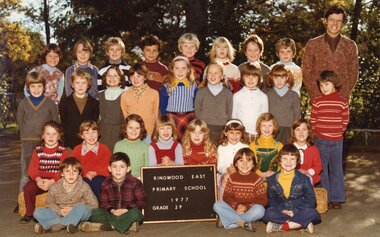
x=185 y=82
x=85 y=150
x=333 y=42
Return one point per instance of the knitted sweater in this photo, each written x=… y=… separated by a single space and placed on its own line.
x=178 y=99
x=266 y=150
x=45 y=162
x=90 y=69
x=244 y=189
x=319 y=57
x=31 y=118
x=59 y=198
x=146 y=106
x=329 y=116
x=198 y=67
x=285 y=108
x=137 y=151
x=311 y=161
x=197 y=155
x=214 y=109
x=156 y=74
x=92 y=161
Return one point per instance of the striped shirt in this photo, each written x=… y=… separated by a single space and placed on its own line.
x=329 y=116
x=179 y=99
x=198 y=67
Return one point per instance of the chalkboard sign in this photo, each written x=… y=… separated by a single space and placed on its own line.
x=179 y=193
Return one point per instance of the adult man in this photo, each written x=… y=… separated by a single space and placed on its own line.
x=331 y=51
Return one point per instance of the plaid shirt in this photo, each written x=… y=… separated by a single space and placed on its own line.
x=130 y=194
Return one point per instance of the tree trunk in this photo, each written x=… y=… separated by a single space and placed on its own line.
x=355 y=19
x=46 y=20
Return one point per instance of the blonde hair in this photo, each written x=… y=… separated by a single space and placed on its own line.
x=209 y=147
x=114 y=41
x=219 y=41
x=286 y=43
x=87 y=125
x=190 y=75
x=188 y=37
x=279 y=70
x=164 y=120
x=266 y=117
x=232 y=125
x=80 y=74
x=222 y=69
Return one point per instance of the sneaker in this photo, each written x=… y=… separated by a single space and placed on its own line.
x=71 y=229
x=135 y=227
x=250 y=226
x=16 y=210
x=273 y=227
x=87 y=226
x=39 y=229
x=219 y=223
x=25 y=219
x=310 y=228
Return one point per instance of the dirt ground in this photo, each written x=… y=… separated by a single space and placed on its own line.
x=360 y=215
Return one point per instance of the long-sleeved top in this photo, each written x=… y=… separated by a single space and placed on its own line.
x=31 y=118
x=137 y=152
x=197 y=155
x=178 y=99
x=198 y=67
x=264 y=72
x=310 y=161
x=247 y=190
x=226 y=155
x=146 y=106
x=45 y=162
x=297 y=74
x=90 y=69
x=156 y=74
x=93 y=160
x=248 y=104
x=165 y=145
x=58 y=197
x=214 y=109
x=301 y=193
x=129 y=194
x=329 y=116
x=286 y=108
x=318 y=57
x=266 y=150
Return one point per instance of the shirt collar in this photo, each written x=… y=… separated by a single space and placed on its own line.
x=95 y=149
x=185 y=82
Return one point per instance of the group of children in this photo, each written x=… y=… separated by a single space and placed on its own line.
x=176 y=116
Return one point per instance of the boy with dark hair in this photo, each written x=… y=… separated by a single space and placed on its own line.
x=122 y=198
x=151 y=47
x=329 y=119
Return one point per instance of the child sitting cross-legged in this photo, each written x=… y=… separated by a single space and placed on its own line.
x=122 y=198
x=291 y=197
x=69 y=201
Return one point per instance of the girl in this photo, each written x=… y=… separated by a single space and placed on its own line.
x=310 y=161
x=213 y=103
x=178 y=93
x=232 y=140
x=266 y=148
x=93 y=155
x=250 y=95
x=291 y=197
x=69 y=201
x=111 y=117
x=244 y=197
x=44 y=166
x=165 y=150
x=223 y=52
x=284 y=104
x=134 y=132
x=82 y=52
x=141 y=99
x=78 y=107
x=51 y=54
x=198 y=149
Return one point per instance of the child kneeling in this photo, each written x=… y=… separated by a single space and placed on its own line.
x=69 y=201
x=122 y=198
x=291 y=197
x=244 y=195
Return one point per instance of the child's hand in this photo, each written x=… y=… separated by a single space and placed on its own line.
x=65 y=210
x=288 y=213
x=90 y=175
x=304 y=172
x=241 y=209
x=166 y=161
x=119 y=212
x=231 y=169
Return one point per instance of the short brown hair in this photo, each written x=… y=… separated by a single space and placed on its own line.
x=80 y=74
x=87 y=125
x=248 y=153
x=137 y=118
x=115 y=41
x=86 y=47
x=329 y=76
x=250 y=68
x=279 y=70
x=150 y=40
x=140 y=69
x=286 y=43
x=71 y=161
x=50 y=48
x=296 y=124
x=254 y=39
x=34 y=78
x=289 y=149
x=266 y=117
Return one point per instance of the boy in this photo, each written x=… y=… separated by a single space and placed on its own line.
x=69 y=201
x=291 y=197
x=253 y=48
x=32 y=113
x=329 y=119
x=82 y=52
x=94 y=156
x=188 y=45
x=115 y=49
x=151 y=48
x=76 y=108
x=121 y=199
x=286 y=50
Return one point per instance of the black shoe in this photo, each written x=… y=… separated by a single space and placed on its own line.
x=16 y=209
x=25 y=219
x=71 y=229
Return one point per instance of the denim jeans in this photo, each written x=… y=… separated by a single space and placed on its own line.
x=95 y=184
x=47 y=218
x=229 y=217
x=332 y=177
x=303 y=217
